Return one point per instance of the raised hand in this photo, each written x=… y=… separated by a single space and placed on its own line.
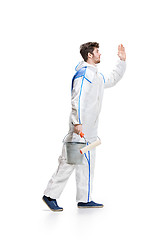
x=121 y=52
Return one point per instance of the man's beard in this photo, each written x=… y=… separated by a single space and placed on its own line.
x=98 y=61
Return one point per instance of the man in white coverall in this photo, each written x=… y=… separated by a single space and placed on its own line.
x=86 y=99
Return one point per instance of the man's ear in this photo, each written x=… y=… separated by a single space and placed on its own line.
x=90 y=55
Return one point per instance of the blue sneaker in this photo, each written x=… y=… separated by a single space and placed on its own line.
x=89 y=205
x=52 y=204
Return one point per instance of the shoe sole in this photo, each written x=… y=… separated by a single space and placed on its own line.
x=91 y=207
x=60 y=210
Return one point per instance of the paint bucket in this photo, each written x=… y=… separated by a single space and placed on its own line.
x=73 y=151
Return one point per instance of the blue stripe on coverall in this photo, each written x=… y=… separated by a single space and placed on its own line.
x=103 y=78
x=80 y=73
x=89 y=166
x=80 y=97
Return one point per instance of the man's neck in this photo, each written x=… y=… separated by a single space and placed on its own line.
x=89 y=61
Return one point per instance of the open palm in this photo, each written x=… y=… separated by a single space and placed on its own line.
x=121 y=52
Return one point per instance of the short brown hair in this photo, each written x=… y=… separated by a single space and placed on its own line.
x=88 y=48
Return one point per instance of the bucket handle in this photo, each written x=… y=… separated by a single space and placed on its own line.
x=81 y=135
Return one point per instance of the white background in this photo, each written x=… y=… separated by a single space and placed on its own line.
x=39 y=48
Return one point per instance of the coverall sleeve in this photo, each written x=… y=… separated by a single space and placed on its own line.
x=116 y=74
x=78 y=100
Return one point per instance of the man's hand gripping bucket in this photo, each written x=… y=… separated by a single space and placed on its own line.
x=75 y=150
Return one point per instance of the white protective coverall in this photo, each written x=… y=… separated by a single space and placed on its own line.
x=86 y=99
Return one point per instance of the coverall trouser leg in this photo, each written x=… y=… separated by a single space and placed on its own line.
x=84 y=177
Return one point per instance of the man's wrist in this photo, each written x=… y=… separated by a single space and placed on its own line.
x=123 y=59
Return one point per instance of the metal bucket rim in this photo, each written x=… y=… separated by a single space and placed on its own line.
x=76 y=143
x=73 y=142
